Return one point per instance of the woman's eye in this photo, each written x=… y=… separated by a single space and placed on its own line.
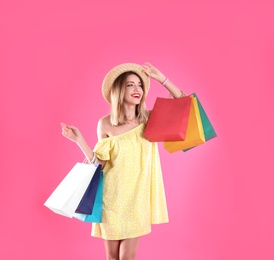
x=131 y=85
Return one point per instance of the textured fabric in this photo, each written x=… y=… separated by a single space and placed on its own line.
x=133 y=195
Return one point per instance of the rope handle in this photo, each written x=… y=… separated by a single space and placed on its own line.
x=92 y=161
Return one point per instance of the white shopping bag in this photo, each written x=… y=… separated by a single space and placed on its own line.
x=66 y=197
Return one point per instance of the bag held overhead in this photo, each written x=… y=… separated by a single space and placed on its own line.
x=209 y=131
x=194 y=134
x=168 y=120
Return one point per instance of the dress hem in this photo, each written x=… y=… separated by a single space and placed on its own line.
x=105 y=238
x=146 y=233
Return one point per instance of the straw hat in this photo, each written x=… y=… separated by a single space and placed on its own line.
x=117 y=71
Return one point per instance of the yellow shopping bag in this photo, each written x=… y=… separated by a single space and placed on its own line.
x=194 y=133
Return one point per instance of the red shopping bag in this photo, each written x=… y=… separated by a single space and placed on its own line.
x=168 y=120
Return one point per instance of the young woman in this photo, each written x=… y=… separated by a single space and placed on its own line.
x=134 y=196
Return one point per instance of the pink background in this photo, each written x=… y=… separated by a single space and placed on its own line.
x=54 y=55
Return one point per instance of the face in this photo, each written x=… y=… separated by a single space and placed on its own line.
x=134 y=90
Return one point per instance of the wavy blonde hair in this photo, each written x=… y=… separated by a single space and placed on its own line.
x=118 y=115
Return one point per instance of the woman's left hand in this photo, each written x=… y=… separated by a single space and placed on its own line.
x=154 y=73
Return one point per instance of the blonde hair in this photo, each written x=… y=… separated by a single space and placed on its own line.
x=118 y=115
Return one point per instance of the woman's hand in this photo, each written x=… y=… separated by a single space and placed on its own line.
x=154 y=73
x=71 y=132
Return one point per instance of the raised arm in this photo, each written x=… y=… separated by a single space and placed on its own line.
x=73 y=133
x=156 y=74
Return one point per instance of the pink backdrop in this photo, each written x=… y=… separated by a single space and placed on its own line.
x=54 y=55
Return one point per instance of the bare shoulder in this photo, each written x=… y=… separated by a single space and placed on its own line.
x=105 y=120
x=103 y=127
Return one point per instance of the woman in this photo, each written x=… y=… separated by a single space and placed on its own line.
x=134 y=195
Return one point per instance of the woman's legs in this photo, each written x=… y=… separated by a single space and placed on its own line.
x=122 y=249
x=112 y=249
x=128 y=248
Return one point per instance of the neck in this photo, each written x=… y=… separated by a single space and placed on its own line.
x=130 y=113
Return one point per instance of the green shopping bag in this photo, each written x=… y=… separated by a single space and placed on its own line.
x=209 y=131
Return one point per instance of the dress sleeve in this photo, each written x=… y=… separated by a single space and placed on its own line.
x=102 y=149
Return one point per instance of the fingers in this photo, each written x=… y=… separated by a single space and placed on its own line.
x=147 y=66
x=148 y=69
x=73 y=127
x=66 y=130
x=64 y=126
x=68 y=133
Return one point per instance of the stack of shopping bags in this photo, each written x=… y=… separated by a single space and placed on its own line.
x=80 y=193
x=180 y=123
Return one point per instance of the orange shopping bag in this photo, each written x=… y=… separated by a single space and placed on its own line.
x=194 y=133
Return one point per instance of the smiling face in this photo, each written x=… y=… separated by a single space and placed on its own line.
x=126 y=91
x=134 y=90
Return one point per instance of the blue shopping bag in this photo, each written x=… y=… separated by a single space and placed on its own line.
x=86 y=204
x=96 y=215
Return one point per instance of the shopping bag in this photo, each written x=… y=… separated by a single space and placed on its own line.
x=86 y=204
x=96 y=215
x=209 y=131
x=168 y=120
x=194 y=135
x=66 y=197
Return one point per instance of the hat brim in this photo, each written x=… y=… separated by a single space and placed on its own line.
x=117 y=71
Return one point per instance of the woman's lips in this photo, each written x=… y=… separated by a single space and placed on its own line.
x=136 y=95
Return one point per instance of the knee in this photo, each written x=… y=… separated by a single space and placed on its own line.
x=128 y=256
x=112 y=257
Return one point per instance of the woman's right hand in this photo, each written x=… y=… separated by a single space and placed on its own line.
x=71 y=132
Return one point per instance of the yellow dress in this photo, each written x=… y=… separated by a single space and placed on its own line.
x=133 y=194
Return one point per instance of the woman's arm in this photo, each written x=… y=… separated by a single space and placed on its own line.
x=73 y=133
x=154 y=73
